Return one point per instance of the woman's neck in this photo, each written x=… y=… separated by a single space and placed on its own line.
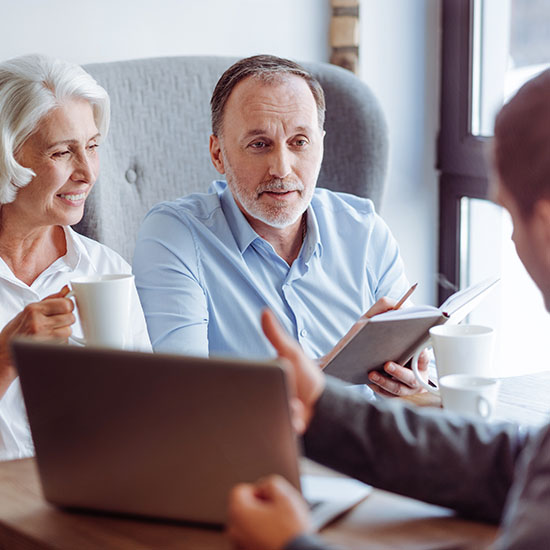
x=28 y=251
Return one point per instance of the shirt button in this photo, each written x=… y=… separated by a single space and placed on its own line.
x=303 y=333
x=131 y=176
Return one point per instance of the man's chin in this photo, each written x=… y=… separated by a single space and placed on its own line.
x=278 y=224
x=280 y=221
x=272 y=213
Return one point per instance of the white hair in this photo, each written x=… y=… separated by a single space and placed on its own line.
x=30 y=87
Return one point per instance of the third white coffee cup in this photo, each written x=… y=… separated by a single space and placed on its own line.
x=103 y=304
x=467 y=394
x=459 y=349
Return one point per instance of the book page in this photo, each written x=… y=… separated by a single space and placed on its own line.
x=412 y=312
x=464 y=301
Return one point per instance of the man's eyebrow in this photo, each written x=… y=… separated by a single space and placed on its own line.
x=302 y=129
x=262 y=132
x=255 y=132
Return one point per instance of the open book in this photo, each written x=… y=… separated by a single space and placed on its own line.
x=396 y=334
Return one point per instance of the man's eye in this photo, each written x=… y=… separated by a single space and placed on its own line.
x=258 y=145
x=93 y=146
x=61 y=154
x=301 y=142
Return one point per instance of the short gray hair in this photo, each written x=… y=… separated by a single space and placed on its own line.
x=30 y=87
x=267 y=68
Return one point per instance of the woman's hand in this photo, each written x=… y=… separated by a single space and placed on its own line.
x=49 y=319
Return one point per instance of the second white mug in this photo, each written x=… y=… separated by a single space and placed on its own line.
x=459 y=349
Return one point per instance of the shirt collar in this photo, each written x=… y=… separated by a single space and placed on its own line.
x=68 y=262
x=240 y=228
x=5 y=271
x=75 y=249
x=312 y=242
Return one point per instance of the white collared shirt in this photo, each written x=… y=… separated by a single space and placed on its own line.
x=84 y=257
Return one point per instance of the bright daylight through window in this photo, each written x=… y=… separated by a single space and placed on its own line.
x=510 y=45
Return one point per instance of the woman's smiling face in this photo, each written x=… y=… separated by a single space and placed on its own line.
x=62 y=152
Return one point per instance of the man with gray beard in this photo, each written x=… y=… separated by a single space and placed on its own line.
x=206 y=265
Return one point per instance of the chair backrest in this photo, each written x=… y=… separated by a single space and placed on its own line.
x=157 y=148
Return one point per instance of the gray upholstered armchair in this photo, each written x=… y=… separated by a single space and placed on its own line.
x=157 y=147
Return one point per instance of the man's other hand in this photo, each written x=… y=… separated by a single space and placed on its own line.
x=266 y=515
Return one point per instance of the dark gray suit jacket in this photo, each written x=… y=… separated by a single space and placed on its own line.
x=489 y=472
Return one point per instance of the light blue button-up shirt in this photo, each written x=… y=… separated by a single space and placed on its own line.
x=204 y=275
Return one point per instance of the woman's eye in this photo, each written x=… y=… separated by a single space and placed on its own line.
x=60 y=154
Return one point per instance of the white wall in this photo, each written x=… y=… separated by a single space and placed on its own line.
x=400 y=61
x=104 y=30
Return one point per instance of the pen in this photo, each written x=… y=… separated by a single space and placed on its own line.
x=405 y=296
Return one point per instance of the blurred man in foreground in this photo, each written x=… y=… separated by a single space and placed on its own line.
x=509 y=481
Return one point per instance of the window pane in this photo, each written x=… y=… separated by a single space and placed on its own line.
x=510 y=45
x=515 y=307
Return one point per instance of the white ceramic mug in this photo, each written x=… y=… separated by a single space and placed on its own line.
x=459 y=349
x=467 y=394
x=103 y=303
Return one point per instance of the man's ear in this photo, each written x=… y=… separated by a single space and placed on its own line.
x=216 y=154
x=541 y=218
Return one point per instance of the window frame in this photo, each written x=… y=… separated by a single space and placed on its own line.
x=461 y=155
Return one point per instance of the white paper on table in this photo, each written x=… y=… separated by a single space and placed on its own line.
x=331 y=496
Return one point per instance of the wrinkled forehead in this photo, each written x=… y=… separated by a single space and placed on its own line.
x=71 y=119
x=282 y=97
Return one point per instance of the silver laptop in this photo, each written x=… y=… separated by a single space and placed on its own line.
x=156 y=435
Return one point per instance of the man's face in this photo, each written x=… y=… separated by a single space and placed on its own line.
x=531 y=237
x=270 y=149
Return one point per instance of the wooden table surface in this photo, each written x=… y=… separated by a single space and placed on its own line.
x=383 y=521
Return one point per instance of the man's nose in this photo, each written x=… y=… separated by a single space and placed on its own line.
x=279 y=166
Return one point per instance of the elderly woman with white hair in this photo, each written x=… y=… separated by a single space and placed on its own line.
x=53 y=117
